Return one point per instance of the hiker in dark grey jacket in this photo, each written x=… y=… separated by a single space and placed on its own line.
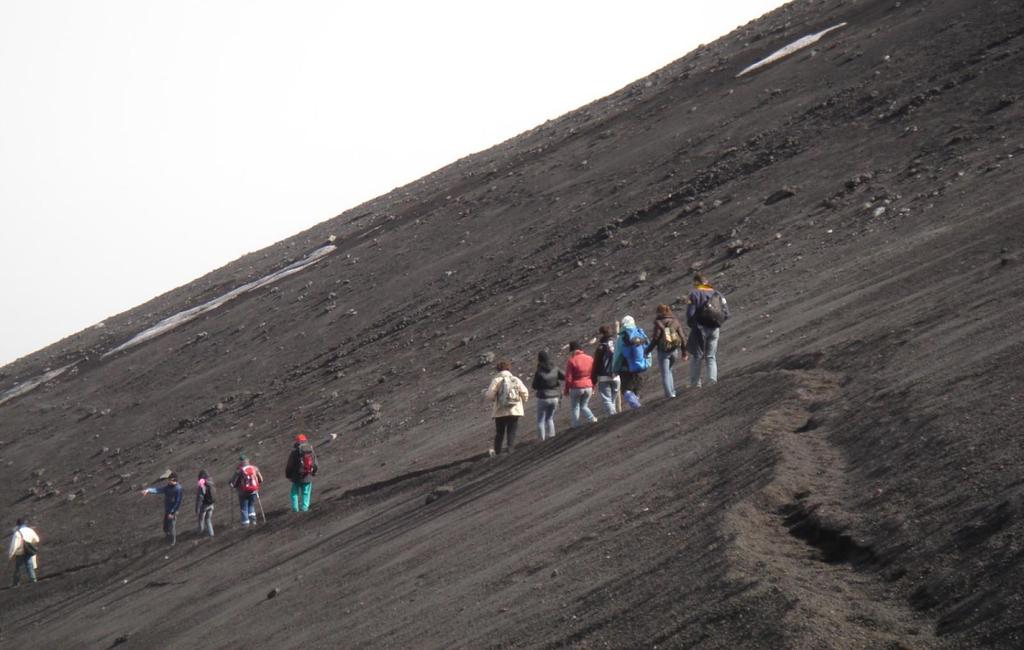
x=300 y=470
x=204 y=503
x=703 y=343
x=547 y=382
x=602 y=374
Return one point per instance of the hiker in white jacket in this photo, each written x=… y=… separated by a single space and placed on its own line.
x=509 y=394
x=23 y=548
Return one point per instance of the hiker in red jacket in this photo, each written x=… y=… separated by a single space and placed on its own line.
x=578 y=385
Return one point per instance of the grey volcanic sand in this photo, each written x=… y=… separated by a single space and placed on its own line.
x=854 y=481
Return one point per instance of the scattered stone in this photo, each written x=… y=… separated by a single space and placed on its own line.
x=273 y=593
x=879 y=211
x=485 y=359
x=780 y=195
x=458 y=364
x=120 y=640
x=1008 y=259
x=438 y=492
x=37 y=473
x=737 y=247
x=1004 y=101
x=859 y=180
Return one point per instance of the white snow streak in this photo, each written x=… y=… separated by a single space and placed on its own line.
x=23 y=388
x=168 y=324
x=795 y=46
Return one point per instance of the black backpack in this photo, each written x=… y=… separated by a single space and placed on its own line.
x=607 y=356
x=712 y=312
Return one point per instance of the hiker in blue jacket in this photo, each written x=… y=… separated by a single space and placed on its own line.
x=630 y=360
x=706 y=311
x=172 y=501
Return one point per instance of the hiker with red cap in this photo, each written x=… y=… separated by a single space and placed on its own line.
x=300 y=470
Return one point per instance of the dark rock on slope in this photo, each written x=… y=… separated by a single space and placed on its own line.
x=854 y=481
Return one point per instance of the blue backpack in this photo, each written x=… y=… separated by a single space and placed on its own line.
x=633 y=343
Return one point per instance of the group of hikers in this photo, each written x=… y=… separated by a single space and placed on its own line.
x=616 y=369
x=247 y=481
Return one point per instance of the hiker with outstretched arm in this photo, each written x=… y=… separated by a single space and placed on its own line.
x=247 y=480
x=547 y=385
x=300 y=470
x=23 y=549
x=509 y=394
x=706 y=311
x=602 y=374
x=204 y=503
x=630 y=360
x=578 y=384
x=172 y=502
x=669 y=339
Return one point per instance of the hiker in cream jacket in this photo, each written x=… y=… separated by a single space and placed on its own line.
x=16 y=551
x=506 y=413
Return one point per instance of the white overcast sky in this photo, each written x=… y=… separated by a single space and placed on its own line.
x=144 y=143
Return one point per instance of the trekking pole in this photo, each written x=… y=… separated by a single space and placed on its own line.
x=618 y=386
x=259 y=502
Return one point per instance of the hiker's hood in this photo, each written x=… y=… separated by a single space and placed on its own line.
x=628 y=322
x=544 y=361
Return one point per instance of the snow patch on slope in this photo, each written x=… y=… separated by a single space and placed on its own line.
x=168 y=324
x=795 y=46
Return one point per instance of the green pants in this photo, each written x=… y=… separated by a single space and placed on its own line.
x=300 y=496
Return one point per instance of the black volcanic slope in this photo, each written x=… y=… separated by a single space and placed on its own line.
x=854 y=481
